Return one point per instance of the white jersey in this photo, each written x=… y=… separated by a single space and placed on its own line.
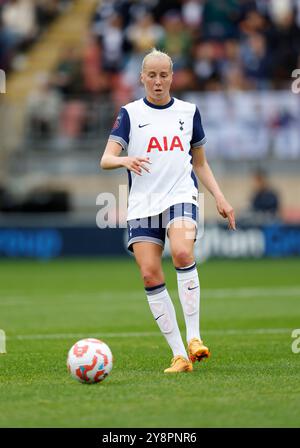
x=166 y=135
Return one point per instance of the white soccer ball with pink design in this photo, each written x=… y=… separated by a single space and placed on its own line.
x=89 y=360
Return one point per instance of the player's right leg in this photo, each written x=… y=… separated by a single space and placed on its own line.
x=148 y=257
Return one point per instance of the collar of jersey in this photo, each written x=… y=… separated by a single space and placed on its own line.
x=155 y=106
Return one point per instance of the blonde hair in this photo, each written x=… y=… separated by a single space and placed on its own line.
x=158 y=54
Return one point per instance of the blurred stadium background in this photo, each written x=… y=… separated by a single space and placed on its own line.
x=70 y=65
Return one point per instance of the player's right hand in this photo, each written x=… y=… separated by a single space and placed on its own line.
x=136 y=164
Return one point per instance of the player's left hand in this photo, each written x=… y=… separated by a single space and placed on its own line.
x=226 y=210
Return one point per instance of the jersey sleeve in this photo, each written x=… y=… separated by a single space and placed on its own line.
x=198 y=138
x=121 y=129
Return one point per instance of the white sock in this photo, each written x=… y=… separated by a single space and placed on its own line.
x=164 y=313
x=189 y=294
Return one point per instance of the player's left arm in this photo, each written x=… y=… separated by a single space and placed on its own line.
x=207 y=178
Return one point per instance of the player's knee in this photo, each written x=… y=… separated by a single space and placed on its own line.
x=182 y=258
x=151 y=276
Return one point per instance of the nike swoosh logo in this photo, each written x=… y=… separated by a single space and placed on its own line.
x=143 y=125
x=190 y=289
x=158 y=317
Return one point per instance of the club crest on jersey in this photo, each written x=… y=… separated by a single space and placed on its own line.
x=164 y=144
x=181 y=124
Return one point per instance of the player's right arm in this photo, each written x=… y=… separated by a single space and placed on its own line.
x=111 y=159
x=118 y=140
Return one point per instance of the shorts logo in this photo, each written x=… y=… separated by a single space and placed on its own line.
x=164 y=144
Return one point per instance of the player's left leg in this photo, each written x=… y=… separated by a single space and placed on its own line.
x=148 y=257
x=182 y=235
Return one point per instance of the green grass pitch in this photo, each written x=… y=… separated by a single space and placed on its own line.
x=248 y=312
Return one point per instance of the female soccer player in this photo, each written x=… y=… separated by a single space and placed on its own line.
x=164 y=140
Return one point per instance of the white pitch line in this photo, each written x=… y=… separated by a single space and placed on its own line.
x=145 y=334
x=223 y=293
x=13 y=302
x=216 y=293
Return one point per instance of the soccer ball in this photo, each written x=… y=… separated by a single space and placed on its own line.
x=89 y=360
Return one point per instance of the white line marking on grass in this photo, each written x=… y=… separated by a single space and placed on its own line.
x=104 y=335
x=12 y=302
x=223 y=293
x=213 y=293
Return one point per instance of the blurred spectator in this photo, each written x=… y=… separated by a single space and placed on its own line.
x=142 y=35
x=220 y=19
x=68 y=74
x=205 y=65
x=163 y=7
x=285 y=44
x=297 y=7
x=48 y=10
x=6 y=48
x=111 y=37
x=43 y=109
x=177 y=41
x=230 y=66
x=73 y=120
x=104 y=11
x=256 y=60
x=284 y=127
x=235 y=80
x=18 y=28
x=22 y=22
x=95 y=80
x=131 y=10
x=279 y=10
x=19 y=19
x=192 y=14
x=253 y=22
x=265 y=200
